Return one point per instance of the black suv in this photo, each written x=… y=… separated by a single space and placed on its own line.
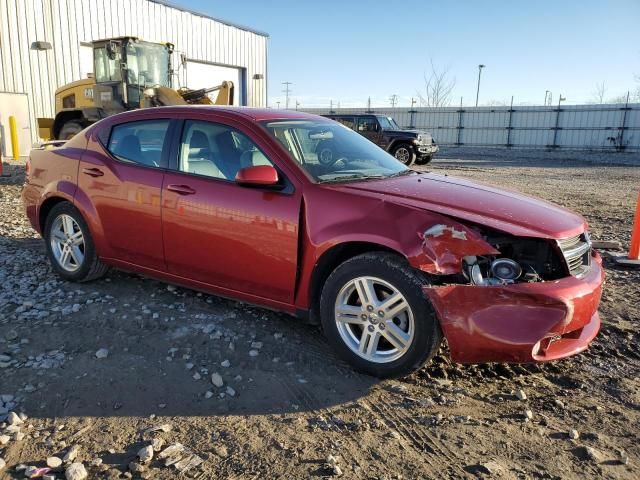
x=406 y=145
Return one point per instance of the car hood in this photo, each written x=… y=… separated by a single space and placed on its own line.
x=405 y=132
x=504 y=210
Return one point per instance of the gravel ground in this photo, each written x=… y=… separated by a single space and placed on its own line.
x=106 y=376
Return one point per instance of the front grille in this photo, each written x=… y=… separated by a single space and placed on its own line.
x=577 y=253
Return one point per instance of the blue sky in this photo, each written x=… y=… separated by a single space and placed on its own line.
x=349 y=50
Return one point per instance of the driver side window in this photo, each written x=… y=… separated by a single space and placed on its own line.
x=217 y=151
x=367 y=124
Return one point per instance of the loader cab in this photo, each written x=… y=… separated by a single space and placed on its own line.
x=124 y=67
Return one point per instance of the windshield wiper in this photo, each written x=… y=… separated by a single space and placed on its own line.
x=401 y=173
x=351 y=176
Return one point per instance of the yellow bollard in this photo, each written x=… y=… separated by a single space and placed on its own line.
x=15 y=148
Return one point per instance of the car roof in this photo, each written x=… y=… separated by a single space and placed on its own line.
x=251 y=113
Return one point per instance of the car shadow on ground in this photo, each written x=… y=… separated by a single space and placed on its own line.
x=164 y=343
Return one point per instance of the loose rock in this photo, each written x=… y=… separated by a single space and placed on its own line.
x=216 y=379
x=102 y=353
x=54 y=462
x=145 y=454
x=75 y=471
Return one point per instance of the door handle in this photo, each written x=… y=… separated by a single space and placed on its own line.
x=93 y=172
x=181 y=189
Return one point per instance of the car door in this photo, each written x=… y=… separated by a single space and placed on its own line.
x=120 y=176
x=215 y=231
x=368 y=127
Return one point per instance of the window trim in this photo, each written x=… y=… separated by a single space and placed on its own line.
x=165 y=145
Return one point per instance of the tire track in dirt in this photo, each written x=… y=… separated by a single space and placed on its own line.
x=415 y=434
x=301 y=394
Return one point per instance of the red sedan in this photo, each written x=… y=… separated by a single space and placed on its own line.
x=236 y=202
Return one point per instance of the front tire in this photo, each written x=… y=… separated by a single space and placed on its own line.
x=404 y=153
x=375 y=315
x=69 y=245
x=424 y=160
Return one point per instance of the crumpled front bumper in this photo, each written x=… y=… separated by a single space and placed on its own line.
x=523 y=322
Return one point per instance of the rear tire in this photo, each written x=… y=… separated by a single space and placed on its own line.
x=69 y=245
x=70 y=129
x=381 y=339
x=404 y=153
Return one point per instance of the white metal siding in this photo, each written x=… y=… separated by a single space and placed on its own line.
x=68 y=23
x=579 y=126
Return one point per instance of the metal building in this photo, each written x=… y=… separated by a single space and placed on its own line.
x=215 y=50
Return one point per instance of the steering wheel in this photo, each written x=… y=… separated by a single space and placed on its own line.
x=327 y=154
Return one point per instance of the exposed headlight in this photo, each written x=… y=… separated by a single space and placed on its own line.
x=498 y=272
x=418 y=139
x=506 y=269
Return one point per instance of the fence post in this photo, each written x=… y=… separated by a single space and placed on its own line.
x=626 y=108
x=557 y=127
x=509 y=128
x=460 y=126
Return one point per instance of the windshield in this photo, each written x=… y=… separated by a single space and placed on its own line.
x=147 y=64
x=330 y=152
x=388 y=123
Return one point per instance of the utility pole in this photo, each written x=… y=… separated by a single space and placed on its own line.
x=297 y=104
x=393 y=99
x=413 y=102
x=546 y=92
x=286 y=92
x=278 y=103
x=480 y=67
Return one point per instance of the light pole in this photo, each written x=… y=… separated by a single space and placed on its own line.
x=561 y=99
x=286 y=92
x=480 y=67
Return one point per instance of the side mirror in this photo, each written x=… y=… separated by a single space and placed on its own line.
x=257 y=176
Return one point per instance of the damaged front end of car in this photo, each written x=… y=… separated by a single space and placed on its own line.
x=504 y=298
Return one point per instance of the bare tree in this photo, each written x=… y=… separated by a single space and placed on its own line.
x=438 y=87
x=393 y=100
x=599 y=93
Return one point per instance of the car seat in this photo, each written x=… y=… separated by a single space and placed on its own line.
x=129 y=148
x=200 y=157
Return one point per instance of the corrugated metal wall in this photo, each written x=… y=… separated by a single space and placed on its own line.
x=606 y=127
x=67 y=23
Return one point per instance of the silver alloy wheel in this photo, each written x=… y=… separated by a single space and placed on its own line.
x=374 y=319
x=403 y=154
x=67 y=243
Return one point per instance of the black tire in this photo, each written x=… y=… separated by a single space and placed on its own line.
x=404 y=153
x=397 y=272
x=69 y=129
x=424 y=160
x=91 y=267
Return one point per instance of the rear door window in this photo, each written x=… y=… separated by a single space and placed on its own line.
x=140 y=142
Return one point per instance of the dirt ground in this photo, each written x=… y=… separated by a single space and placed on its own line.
x=293 y=410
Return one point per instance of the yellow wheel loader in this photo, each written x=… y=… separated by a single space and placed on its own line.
x=128 y=74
